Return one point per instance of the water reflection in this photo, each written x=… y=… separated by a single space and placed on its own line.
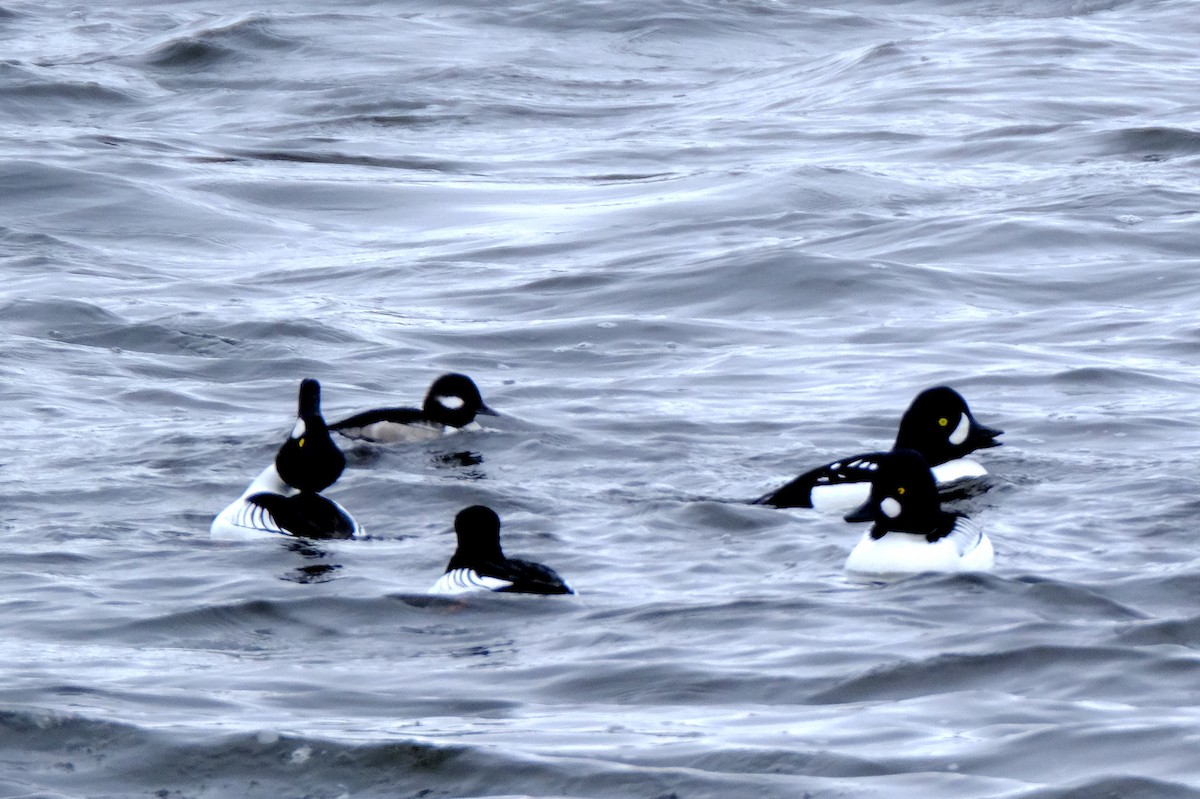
x=318 y=572
x=455 y=460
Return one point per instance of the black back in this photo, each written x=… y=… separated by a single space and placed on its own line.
x=798 y=493
x=393 y=415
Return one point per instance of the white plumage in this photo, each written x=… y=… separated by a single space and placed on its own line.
x=966 y=549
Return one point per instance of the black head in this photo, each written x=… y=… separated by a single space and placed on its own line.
x=904 y=496
x=310 y=398
x=454 y=400
x=939 y=425
x=478 y=531
x=309 y=460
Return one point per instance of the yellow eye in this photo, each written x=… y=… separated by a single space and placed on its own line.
x=900 y=490
x=300 y=442
x=943 y=421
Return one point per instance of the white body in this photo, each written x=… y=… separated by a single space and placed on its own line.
x=464 y=581
x=966 y=549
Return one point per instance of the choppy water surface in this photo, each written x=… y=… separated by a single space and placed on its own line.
x=688 y=249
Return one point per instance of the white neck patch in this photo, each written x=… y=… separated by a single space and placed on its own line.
x=960 y=433
x=453 y=403
x=890 y=507
x=300 y=429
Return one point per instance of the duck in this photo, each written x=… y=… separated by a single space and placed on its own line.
x=285 y=498
x=479 y=564
x=452 y=403
x=911 y=533
x=938 y=424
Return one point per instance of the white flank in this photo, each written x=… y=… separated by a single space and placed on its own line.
x=268 y=480
x=238 y=521
x=840 y=497
x=391 y=432
x=958 y=469
x=966 y=549
x=463 y=581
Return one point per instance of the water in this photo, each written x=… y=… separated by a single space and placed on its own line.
x=688 y=249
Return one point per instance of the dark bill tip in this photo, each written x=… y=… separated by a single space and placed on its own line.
x=986 y=437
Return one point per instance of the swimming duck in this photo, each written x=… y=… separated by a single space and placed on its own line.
x=452 y=403
x=938 y=424
x=911 y=533
x=285 y=498
x=479 y=564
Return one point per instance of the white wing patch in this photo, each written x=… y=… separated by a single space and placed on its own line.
x=462 y=581
x=960 y=433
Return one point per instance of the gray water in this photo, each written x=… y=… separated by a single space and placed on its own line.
x=689 y=249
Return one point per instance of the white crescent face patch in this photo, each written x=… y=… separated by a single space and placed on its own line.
x=453 y=403
x=960 y=433
x=890 y=507
x=300 y=429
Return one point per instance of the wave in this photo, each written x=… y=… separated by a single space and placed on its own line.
x=211 y=43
